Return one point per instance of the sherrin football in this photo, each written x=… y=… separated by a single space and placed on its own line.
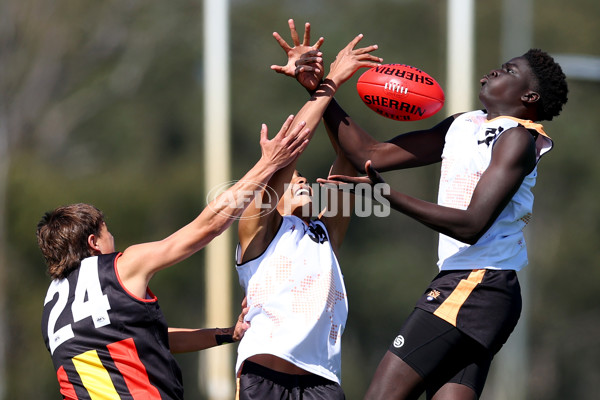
x=400 y=92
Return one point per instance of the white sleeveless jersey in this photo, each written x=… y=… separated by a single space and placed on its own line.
x=467 y=154
x=297 y=300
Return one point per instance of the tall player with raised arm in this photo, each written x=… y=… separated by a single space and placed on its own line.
x=489 y=161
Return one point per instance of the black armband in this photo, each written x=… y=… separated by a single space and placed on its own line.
x=222 y=337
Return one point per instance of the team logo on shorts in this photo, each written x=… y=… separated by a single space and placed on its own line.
x=399 y=341
x=433 y=295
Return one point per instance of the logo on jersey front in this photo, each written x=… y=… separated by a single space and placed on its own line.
x=490 y=135
x=317 y=234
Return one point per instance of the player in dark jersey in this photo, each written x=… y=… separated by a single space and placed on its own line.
x=102 y=325
x=489 y=165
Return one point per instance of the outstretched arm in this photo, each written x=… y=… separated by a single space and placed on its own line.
x=513 y=158
x=258 y=226
x=183 y=340
x=409 y=150
x=140 y=262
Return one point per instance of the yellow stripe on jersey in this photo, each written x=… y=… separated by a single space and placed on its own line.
x=448 y=310
x=94 y=376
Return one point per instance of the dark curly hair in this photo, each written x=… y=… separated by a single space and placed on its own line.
x=552 y=83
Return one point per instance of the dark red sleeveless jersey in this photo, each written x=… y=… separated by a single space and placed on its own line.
x=106 y=343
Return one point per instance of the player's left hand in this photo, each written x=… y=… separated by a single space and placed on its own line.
x=351 y=59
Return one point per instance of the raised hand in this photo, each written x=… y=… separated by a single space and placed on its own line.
x=373 y=177
x=312 y=71
x=288 y=144
x=349 y=60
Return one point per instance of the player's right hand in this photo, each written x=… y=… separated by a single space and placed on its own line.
x=289 y=143
x=309 y=79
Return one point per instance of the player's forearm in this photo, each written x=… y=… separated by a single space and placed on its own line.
x=313 y=110
x=351 y=138
x=220 y=213
x=183 y=340
x=462 y=225
x=232 y=203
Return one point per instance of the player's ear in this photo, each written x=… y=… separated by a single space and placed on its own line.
x=530 y=97
x=92 y=242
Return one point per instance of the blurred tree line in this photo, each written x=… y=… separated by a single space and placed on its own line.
x=101 y=102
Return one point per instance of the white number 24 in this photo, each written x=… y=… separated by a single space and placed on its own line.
x=96 y=304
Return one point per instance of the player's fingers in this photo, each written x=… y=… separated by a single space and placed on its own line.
x=355 y=41
x=369 y=58
x=306 y=68
x=297 y=138
x=301 y=147
x=297 y=134
x=305 y=134
x=369 y=64
x=309 y=64
x=306 y=39
x=329 y=182
x=286 y=47
x=334 y=179
x=286 y=126
x=310 y=57
x=264 y=133
x=294 y=33
x=339 y=185
x=319 y=43
x=278 y=68
x=366 y=50
x=372 y=172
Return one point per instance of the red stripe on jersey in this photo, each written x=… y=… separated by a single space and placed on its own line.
x=127 y=360
x=66 y=387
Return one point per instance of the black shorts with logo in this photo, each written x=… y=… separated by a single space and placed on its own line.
x=485 y=304
x=458 y=325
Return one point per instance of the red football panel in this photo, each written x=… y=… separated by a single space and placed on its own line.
x=404 y=78
x=398 y=105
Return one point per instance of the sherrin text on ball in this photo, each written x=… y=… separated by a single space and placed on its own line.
x=400 y=92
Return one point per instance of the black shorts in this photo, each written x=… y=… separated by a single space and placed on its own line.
x=440 y=353
x=260 y=383
x=484 y=304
